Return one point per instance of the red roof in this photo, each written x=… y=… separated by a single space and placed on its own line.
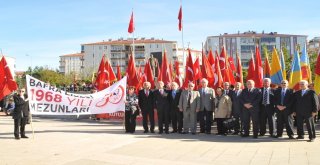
x=73 y=55
x=129 y=41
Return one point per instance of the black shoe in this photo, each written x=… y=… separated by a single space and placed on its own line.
x=279 y=136
x=255 y=136
x=161 y=132
x=184 y=133
x=167 y=132
x=273 y=136
x=17 y=138
x=208 y=133
x=152 y=131
x=146 y=131
x=235 y=133
x=24 y=136
x=311 y=140
x=180 y=132
x=173 y=131
x=262 y=134
x=201 y=132
x=193 y=133
x=300 y=137
x=244 y=135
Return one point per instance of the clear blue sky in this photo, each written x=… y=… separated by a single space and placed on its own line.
x=47 y=29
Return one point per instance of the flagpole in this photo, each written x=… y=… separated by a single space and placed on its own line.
x=182 y=39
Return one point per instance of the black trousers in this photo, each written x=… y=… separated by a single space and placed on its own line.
x=205 y=121
x=148 y=114
x=177 y=120
x=247 y=116
x=284 y=118
x=163 y=119
x=310 y=126
x=130 y=121
x=20 y=123
x=267 y=115
x=220 y=127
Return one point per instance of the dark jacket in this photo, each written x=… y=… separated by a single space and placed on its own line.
x=174 y=102
x=253 y=97
x=146 y=103
x=161 y=101
x=236 y=105
x=21 y=107
x=287 y=100
x=306 y=104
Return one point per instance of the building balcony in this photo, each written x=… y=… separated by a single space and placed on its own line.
x=113 y=51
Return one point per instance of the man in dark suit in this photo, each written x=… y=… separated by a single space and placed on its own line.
x=161 y=104
x=227 y=90
x=20 y=113
x=146 y=104
x=305 y=108
x=250 y=102
x=283 y=101
x=236 y=107
x=176 y=114
x=267 y=108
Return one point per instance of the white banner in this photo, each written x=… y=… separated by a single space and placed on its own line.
x=45 y=99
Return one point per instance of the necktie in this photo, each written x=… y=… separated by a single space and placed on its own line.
x=161 y=91
x=189 y=99
x=147 y=93
x=203 y=91
x=265 y=97
x=282 y=95
x=173 y=94
x=303 y=92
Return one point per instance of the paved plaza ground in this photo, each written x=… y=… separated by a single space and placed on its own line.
x=88 y=142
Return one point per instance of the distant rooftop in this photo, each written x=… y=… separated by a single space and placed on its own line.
x=253 y=33
x=73 y=55
x=128 y=41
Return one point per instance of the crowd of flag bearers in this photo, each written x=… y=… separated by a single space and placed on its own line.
x=214 y=94
x=268 y=110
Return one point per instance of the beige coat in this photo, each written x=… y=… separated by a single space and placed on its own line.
x=224 y=108
x=194 y=101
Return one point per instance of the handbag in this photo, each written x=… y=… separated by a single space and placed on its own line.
x=229 y=123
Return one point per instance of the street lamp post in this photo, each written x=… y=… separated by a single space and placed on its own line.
x=30 y=62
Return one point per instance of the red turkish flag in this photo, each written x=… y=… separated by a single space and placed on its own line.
x=189 y=77
x=218 y=79
x=148 y=74
x=118 y=72
x=251 y=68
x=7 y=83
x=131 y=24
x=258 y=69
x=165 y=70
x=177 y=78
x=112 y=76
x=239 y=75
x=196 y=67
x=206 y=70
x=102 y=81
x=133 y=79
x=180 y=19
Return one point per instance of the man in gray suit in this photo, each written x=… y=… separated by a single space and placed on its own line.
x=206 y=107
x=189 y=104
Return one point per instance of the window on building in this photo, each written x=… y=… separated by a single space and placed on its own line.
x=247 y=48
x=268 y=39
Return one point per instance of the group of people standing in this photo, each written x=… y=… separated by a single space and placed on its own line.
x=260 y=107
